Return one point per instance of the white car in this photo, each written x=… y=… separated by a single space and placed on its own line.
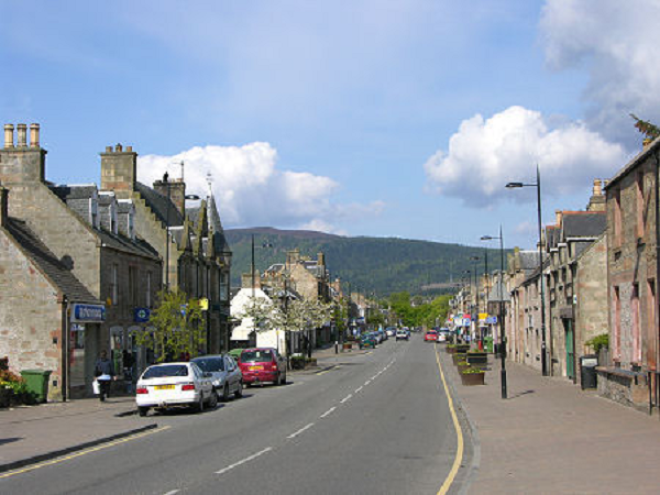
x=174 y=384
x=402 y=335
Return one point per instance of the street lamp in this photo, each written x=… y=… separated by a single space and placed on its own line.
x=516 y=185
x=501 y=310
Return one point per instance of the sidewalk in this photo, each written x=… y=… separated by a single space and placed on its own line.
x=549 y=436
x=37 y=433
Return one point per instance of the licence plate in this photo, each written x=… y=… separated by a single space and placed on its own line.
x=164 y=387
x=256 y=368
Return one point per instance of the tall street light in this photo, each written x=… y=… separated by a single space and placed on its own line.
x=516 y=185
x=500 y=290
x=475 y=260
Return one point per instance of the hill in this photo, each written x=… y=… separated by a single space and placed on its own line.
x=370 y=264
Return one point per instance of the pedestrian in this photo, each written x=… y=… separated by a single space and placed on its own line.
x=104 y=371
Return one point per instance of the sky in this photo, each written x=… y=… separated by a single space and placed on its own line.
x=370 y=117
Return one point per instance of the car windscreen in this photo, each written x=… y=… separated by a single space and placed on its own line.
x=256 y=356
x=210 y=365
x=165 y=371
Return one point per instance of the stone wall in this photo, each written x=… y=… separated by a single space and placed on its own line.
x=30 y=316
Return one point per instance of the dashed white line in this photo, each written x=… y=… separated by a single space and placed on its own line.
x=357 y=390
x=367 y=383
x=294 y=435
x=247 y=459
x=172 y=492
x=347 y=398
x=328 y=412
x=374 y=377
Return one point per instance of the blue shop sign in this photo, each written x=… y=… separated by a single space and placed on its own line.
x=141 y=315
x=88 y=313
x=491 y=320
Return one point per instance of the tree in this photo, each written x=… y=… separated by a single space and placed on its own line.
x=176 y=327
x=650 y=130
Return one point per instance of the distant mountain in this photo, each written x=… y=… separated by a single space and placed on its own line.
x=370 y=264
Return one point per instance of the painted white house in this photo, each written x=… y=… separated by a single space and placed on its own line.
x=242 y=333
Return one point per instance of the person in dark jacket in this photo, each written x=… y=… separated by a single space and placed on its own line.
x=104 y=372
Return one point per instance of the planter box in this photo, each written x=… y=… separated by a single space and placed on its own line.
x=450 y=350
x=462 y=347
x=458 y=357
x=347 y=346
x=462 y=367
x=470 y=379
x=477 y=358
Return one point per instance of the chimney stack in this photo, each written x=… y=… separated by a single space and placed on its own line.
x=597 y=200
x=559 y=215
x=9 y=135
x=34 y=135
x=598 y=190
x=22 y=135
x=321 y=259
x=119 y=171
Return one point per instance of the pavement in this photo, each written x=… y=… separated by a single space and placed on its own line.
x=549 y=436
x=32 y=434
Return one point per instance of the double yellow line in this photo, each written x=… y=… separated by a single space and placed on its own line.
x=459 y=434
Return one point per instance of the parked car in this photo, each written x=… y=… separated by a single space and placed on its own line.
x=402 y=334
x=262 y=365
x=168 y=385
x=431 y=336
x=383 y=335
x=368 y=340
x=391 y=331
x=227 y=376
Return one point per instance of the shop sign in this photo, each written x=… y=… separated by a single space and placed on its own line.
x=491 y=320
x=141 y=315
x=88 y=313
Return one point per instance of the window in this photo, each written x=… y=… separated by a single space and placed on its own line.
x=652 y=325
x=617 y=324
x=634 y=310
x=639 y=203
x=617 y=217
x=114 y=293
x=132 y=286
x=147 y=299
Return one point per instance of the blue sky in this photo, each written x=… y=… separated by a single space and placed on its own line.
x=374 y=117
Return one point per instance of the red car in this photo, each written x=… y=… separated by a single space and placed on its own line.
x=431 y=336
x=262 y=365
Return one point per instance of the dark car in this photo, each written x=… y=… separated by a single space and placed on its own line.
x=262 y=365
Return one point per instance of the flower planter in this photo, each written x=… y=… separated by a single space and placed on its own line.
x=462 y=347
x=347 y=346
x=462 y=367
x=477 y=358
x=458 y=357
x=470 y=379
x=450 y=349
x=5 y=397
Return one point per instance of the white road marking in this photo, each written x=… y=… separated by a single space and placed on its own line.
x=367 y=383
x=247 y=459
x=374 y=377
x=347 y=398
x=172 y=492
x=294 y=435
x=328 y=412
x=357 y=390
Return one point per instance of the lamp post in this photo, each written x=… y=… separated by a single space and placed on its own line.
x=516 y=185
x=501 y=311
x=475 y=260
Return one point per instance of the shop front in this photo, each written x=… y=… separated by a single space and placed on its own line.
x=84 y=328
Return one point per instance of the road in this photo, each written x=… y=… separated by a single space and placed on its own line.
x=375 y=423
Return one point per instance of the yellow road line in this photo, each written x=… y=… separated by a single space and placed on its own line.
x=83 y=452
x=459 y=434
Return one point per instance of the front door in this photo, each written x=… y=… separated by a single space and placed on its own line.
x=570 y=352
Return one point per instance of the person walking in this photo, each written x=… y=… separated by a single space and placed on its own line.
x=104 y=372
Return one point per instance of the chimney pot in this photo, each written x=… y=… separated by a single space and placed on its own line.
x=22 y=135
x=34 y=135
x=9 y=135
x=118 y=148
x=129 y=149
x=108 y=149
x=598 y=191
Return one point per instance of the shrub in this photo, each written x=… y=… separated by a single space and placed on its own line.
x=599 y=342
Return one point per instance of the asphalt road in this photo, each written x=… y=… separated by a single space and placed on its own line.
x=377 y=423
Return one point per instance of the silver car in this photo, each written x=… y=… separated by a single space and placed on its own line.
x=227 y=376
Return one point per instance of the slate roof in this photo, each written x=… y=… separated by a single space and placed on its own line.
x=55 y=269
x=646 y=152
x=66 y=192
x=159 y=205
x=584 y=224
x=121 y=243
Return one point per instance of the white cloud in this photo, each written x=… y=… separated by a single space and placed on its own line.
x=250 y=190
x=618 y=42
x=485 y=154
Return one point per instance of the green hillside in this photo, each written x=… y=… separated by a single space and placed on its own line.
x=369 y=264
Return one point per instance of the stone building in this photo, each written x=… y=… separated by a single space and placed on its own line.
x=632 y=250
x=77 y=229
x=189 y=240
x=567 y=243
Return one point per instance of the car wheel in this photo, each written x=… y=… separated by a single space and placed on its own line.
x=213 y=400
x=239 y=390
x=199 y=407
x=142 y=411
x=225 y=393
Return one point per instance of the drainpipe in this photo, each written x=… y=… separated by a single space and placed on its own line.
x=65 y=349
x=657 y=266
